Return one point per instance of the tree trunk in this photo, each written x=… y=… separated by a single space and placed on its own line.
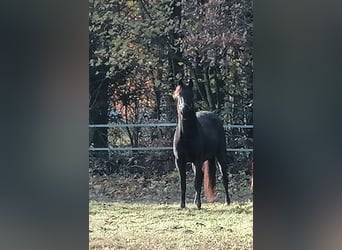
x=175 y=54
x=194 y=77
x=219 y=85
x=207 y=90
x=175 y=60
x=98 y=107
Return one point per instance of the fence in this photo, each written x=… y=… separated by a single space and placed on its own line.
x=109 y=148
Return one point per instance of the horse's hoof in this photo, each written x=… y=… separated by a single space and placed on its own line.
x=182 y=206
x=197 y=203
x=227 y=202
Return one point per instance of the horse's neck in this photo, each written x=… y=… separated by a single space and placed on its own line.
x=188 y=127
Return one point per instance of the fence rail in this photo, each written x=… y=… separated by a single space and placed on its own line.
x=110 y=148
x=155 y=125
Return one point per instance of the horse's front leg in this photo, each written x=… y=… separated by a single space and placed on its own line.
x=181 y=166
x=198 y=183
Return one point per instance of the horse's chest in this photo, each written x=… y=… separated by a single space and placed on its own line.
x=192 y=149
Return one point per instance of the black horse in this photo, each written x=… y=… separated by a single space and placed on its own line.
x=200 y=140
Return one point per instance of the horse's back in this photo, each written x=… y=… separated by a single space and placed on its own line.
x=209 y=121
x=212 y=128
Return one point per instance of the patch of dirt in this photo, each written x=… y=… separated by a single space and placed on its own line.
x=152 y=177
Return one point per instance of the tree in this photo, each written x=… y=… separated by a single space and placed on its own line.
x=139 y=49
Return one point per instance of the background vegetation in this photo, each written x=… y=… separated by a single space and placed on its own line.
x=139 y=50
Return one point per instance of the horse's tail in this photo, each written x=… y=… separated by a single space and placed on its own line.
x=209 y=179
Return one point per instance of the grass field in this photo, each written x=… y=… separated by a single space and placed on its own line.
x=119 y=225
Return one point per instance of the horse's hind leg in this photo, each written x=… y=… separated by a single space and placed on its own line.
x=221 y=158
x=198 y=184
x=181 y=166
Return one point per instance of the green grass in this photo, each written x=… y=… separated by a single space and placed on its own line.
x=117 y=225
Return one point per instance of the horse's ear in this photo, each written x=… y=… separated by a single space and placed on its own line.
x=180 y=83
x=191 y=84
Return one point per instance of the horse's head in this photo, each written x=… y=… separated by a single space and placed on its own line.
x=185 y=99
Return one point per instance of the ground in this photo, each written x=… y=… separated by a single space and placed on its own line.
x=163 y=189
x=135 y=210
x=140 y=179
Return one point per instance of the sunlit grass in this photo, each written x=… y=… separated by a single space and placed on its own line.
x=150 y=226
